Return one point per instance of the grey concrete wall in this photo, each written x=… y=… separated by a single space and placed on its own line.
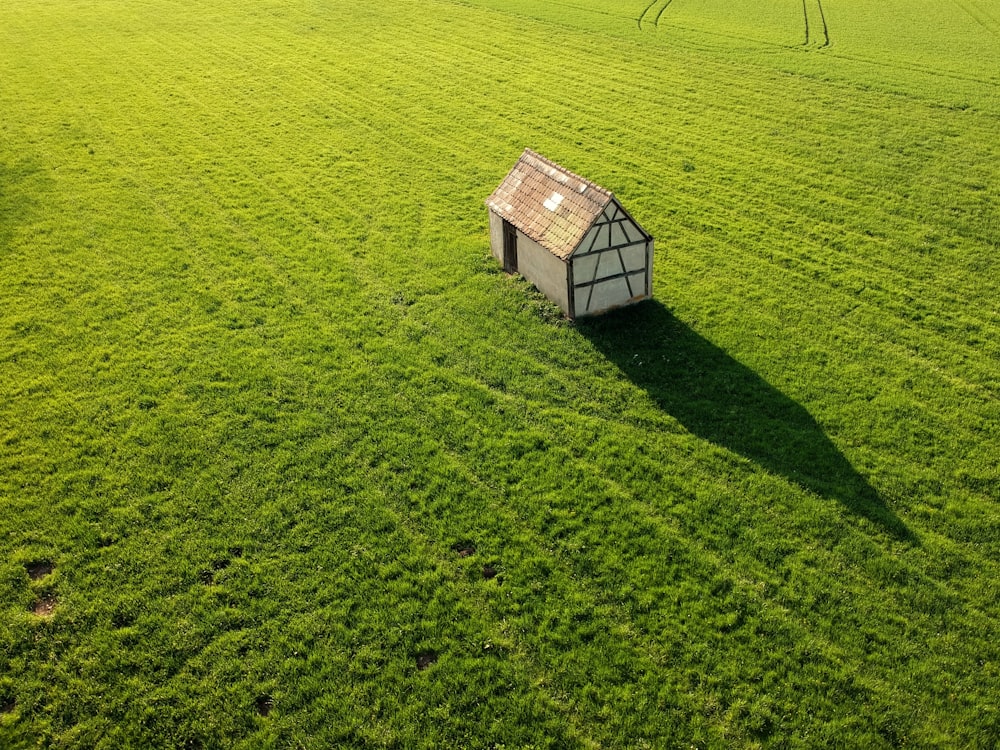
x=544 y=270
x=534 y=263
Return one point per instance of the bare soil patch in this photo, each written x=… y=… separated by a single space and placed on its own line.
x=425 y=659
x=38 y=569
x=264 y=704
x=45 y=606
x=464 y=549
x=123 y=617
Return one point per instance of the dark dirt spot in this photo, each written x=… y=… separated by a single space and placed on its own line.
x=236 y=552
x=464 y=549
x=7 y=705
x=221 y=564
x=206 y=577
x=425 y=659
x=489 y=571
x=105 y=541
x=45 y=606
x=38 y=569
x=264 y=704
x=123 y=617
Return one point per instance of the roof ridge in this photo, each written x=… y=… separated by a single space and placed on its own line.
x=560 y=168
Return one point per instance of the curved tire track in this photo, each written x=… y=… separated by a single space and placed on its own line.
x=645 y=11
x=665 y=6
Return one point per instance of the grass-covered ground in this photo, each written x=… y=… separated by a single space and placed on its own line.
x=286 y=460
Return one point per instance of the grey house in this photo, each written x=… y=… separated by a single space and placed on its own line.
x=571 y=238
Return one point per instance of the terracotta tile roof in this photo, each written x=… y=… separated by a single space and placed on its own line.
x=552 y=205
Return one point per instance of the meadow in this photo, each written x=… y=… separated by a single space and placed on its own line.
x=286 y=460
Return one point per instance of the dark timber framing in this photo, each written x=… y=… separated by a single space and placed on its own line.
x=618 y=218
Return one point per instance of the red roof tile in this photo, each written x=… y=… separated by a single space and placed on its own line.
x=550 y=204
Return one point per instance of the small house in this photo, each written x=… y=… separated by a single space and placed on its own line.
x=571 y=238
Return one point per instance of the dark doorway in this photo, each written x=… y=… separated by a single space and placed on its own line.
x=509 y=247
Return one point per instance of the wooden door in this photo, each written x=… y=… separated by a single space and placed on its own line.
x=509 y=247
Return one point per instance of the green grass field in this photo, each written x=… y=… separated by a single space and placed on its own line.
x=287 y=461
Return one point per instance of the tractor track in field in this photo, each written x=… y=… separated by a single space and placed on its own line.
x=980 y=15
x=658 y=15
x=647 y=11
x=586 y=9
x=822 y=17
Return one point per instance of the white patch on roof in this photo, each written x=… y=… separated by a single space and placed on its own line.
x=553 y=201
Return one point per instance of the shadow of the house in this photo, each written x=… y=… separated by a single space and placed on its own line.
x=720 y=400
